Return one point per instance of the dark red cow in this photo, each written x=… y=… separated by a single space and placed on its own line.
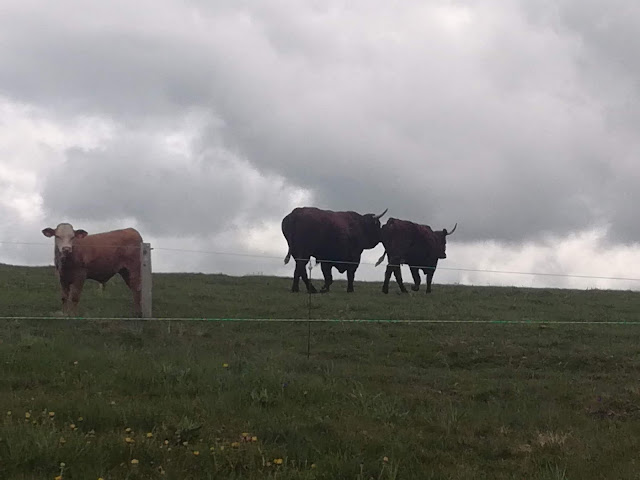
x=335 y=239
x=415 y=245
x=79 y=256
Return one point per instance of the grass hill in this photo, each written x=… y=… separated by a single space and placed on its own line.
x=458 y=400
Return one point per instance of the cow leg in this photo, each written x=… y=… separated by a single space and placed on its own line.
x=429 y=272
x=75 y=291
x=301 y=272
x=64 y=289
x=351 y=275
x=134 y=282
x=328 y=277
x=387 y=277
x=415 y=273
x=398 y=274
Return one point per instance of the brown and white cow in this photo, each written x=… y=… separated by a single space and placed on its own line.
x=79 y=256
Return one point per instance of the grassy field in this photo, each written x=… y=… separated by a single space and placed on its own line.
x=120 y=399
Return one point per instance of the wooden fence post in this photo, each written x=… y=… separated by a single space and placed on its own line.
x=145 y=265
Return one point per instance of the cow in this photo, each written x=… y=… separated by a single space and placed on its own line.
x=79 y=256
x=415 y=245
x=335 y=239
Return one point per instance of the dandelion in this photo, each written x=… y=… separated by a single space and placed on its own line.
x=225 y=365
x=52 y=414
x=135 y=461
x=149 y=435
x=196 y=453
x=254 y=439
x=59 y=477
x=127 y=430
x=129 y=440
x=27 y=415
x=100 y=478
x=235 y=444
x=72 y=426
x=277 y=461
x=313 y=465
x=385 y=459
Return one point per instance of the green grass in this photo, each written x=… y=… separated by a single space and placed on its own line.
x=442 y=401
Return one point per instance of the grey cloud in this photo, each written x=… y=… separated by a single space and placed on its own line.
x=508 y=126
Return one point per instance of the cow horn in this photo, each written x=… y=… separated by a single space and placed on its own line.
x=378 y=216
x=454 y=229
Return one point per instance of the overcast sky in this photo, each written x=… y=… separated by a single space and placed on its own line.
x=203 y=123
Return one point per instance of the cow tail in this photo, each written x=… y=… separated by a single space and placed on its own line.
x=381 y=258
x=287 y=258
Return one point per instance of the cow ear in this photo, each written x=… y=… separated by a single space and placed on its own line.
x=80 y=233
x=48 y=232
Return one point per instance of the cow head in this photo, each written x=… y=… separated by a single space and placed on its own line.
x=371 y=224
x=441 y=235
x=64 y=235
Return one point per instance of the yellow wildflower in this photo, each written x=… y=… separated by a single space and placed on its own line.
x=80 y=419
x=149 y=435
x=225 y=365
x=52 y=414
x=72 y=426
x=27 y=415
x=127 y=430
x=129 y=440
x=9 y=413
x=166 y=442
x=62 y=464
x=59 y=477
x=277 y=461
x=254 y=439
x=235 y=444
x=196 y=453
x=221 y=447
x=135 y=461
x=385 y=459
x=313 y=465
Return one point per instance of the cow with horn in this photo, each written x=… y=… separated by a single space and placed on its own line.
x=415 y=245
x=335 y=239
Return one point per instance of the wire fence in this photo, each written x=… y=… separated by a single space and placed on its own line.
x=361 y=263
x=311 y=315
